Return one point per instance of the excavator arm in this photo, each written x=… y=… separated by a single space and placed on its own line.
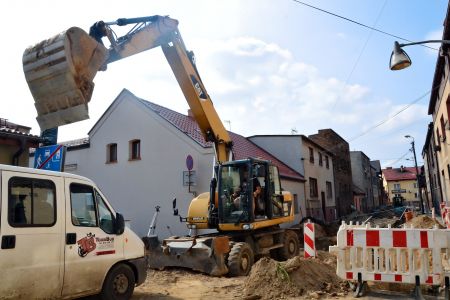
x=60 y=72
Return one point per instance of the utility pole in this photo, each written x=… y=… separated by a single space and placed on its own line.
x=422 y=208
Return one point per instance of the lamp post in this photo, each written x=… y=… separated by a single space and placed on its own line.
x=400 y=60
x=413 y=149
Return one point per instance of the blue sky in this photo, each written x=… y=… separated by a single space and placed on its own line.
x=269 y=66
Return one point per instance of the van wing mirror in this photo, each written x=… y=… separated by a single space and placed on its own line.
x=119 y=224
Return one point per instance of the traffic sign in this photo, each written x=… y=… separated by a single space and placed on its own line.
x=189 y=162
x=50 y=158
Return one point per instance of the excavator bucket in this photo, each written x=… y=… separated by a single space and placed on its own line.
x=203 y=254
x=59 y=72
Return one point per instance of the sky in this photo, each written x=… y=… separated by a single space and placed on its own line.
x=269 y=66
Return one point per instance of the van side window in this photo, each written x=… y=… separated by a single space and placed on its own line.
x=104 y=215
x=32 y=202
x=83 y=205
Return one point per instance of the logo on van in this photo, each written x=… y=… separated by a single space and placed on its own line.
x=86 y=244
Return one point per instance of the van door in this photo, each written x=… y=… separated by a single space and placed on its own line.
x=32 y=239
x=91 y=245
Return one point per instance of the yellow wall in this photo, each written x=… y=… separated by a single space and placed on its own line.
x=407 y=185
x=7 y=152
x=443 y=154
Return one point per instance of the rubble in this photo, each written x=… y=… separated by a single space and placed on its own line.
x=424 y=222
x=311 y=278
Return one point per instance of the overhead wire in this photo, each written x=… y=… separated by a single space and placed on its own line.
x=359 y=23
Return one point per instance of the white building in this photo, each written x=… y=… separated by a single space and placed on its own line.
x=137 y=152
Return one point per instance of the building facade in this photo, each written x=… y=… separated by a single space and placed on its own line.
x=432 y=192
x=137 y=153
x=401 y=186
x=315 y=162
x=437 y=150
x=15 y=142
x=362 y=178
x=334 y=143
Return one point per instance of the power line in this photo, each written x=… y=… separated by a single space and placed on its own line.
x=399 y=159
x=360 y=24
x=391 y=117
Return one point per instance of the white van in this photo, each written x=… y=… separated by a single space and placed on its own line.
x=60 y=238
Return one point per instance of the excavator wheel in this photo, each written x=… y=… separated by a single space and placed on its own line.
x=240 y=259
x=290 y=247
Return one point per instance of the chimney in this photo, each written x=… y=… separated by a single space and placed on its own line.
x=190 y=113
x=402 y=169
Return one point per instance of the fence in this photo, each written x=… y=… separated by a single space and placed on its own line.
x=402 y=255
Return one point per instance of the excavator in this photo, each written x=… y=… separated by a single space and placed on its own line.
x=245 y=205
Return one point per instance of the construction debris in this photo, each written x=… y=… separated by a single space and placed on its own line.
x=311 y=278
x=424 y=222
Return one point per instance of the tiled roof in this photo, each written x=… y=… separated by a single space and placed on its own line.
x=12 y=131
x=242 y=147
x=182 y=122
x=396 y=174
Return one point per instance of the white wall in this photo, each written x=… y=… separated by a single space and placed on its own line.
x=135 y=187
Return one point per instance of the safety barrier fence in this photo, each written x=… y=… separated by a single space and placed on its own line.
x=401 y=255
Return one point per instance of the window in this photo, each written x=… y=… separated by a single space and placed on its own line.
x=443 y=128
x=396 y=186
x=104 y=215
x=313 y=192
x=135 y=150
x=311 y=155
x=416 y=195
x=320 y=159
x=89 y=209
x=327 y=163
x=329 y=190
x=32 y=202
x=111 y=155
x=83 y=205
x=415 y=185
x=438 y=136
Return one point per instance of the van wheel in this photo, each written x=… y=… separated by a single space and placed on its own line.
x=290 y=246
x=240 y=259
x=119 y=283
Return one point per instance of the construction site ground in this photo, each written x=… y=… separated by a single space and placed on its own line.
x=298 y=278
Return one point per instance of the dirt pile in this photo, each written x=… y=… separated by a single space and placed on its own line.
x=296 y=277
x=424 y=222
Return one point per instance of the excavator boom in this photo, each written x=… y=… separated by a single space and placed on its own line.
x=60 y=72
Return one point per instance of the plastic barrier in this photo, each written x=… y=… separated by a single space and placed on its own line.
x=402 y=255
x=309 y=238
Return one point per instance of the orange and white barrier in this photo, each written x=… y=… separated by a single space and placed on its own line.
x=309 y=238
x=402 y=255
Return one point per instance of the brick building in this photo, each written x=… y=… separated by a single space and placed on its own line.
x=340 y=149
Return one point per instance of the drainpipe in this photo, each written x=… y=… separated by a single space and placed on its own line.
x=15 y=158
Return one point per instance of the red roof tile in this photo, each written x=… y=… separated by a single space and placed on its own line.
x=242 y=147
x=395 y=174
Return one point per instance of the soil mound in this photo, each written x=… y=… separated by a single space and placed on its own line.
x=270 y=279
x=424 y=222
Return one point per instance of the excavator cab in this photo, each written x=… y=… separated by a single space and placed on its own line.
x=249 y=191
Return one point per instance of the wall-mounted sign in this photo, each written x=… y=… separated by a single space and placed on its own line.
x=189 y=178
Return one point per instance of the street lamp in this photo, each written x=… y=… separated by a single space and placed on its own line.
x=413 y=149
x=400 y=60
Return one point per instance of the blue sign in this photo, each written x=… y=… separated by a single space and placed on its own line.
x=189 y=162
x=50 y=158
